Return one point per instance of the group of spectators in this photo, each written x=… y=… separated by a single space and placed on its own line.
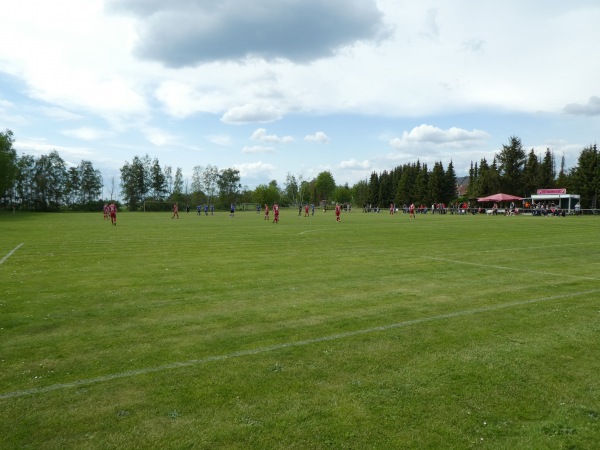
x=368 y=208
x=536 y=209
x=436 y=208
x=547 y=209
x=511 y=210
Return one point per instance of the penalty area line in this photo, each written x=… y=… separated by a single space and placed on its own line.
x=10 y=253
x=514 y=269
x=260 y=350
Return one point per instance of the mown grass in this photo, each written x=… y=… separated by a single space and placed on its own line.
x=377 y=332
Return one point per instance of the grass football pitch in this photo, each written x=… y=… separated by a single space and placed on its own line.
x=375 y=332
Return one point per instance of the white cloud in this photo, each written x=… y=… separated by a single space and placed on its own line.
x=592 y=108
x=87 y=133
x=60 y=114
x=178 y=98
x=429 y=144
x=160 y=138
x=8 y=115
x=473 y=45
x=560 y=148
x=181 y=98
x=220 y=139
x=431 y=28
x=257 y=149
x=430 y=135
x=42 y=147
x=71 y=55
x=261 y=135
x=251 y=113
x=353 y=164
x=254 y=169
x=319 y=137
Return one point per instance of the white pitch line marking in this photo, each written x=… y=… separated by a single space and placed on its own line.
x=10 y=253
x=535 y=247
x=490 y=266
x=257 y=351
x=311 y=231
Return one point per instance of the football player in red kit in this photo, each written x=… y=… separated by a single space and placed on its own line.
x=112 y=212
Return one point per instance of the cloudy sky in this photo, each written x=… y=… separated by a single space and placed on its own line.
x=272 y=87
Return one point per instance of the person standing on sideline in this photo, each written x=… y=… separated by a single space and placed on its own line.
x=276 y=213
x=338 y=211
x=112 y=211
x=411 y=210
x=175 y=211
x=231 y=210
x=266 y=212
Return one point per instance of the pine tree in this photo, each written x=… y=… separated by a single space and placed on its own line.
x=450 y=191
x=511 y=161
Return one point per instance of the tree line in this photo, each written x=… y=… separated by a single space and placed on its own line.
x=514 y=171
x=146 y=185
x=47 y=184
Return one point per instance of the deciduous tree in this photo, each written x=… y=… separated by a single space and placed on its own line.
x=229 y=185
x=25 y=182
x=8 y=164
x=210 y=182
x=50 y=181
x=135 y=181
x=325 y=186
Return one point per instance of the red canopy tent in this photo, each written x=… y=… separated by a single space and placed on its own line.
x=499 y=198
